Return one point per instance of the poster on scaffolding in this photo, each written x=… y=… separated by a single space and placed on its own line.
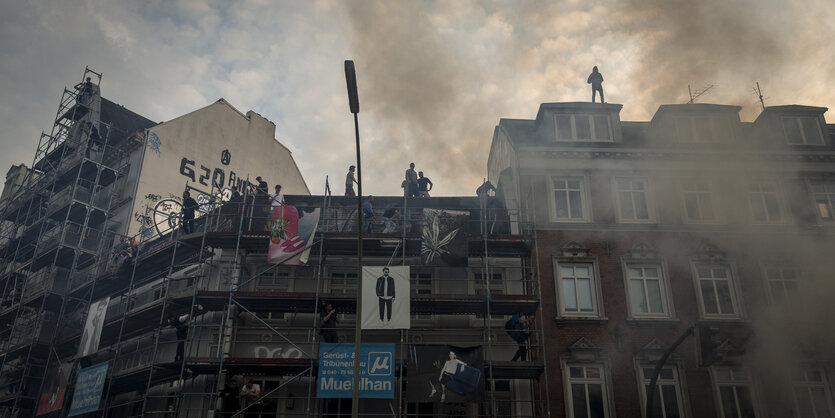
x=444 y=237
x=87 y=389
x=92 y=327
x=336 y=371
x=386 y=299
x=291 y=234
x=52 y=397
x=445 y=374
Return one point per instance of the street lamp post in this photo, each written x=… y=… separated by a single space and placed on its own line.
x=354 y=103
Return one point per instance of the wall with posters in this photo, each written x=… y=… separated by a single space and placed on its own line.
x=216 y=144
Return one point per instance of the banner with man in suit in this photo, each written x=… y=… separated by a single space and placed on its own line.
x=385 y=297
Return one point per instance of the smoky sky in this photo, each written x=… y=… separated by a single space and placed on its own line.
x=434 y=77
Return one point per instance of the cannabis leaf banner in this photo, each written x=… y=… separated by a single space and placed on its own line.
x=444 y=240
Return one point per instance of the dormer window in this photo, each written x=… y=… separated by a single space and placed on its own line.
x=702 y=129
x=802 y=130
x=583 y=127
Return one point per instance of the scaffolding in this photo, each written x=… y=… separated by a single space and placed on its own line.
x=54 y=226
x=247 y=318
x=187 y=313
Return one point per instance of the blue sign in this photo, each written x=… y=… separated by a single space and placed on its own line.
x=336 y=371
x=88 y=386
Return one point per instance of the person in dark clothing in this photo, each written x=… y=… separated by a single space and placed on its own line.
x=519 y=323
x=328 y=327
x=367 y=214
x=236 y=196
x=180 y=322
x=262 y=186
x=596 y=81
x=385 y=293
x=86 y=89
x=424 y=185
x=189 y=206
x=411 y=181
x=349 y=182
x=230 y=398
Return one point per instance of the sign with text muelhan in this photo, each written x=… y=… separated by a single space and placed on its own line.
x=336 y=371
x=87 y=390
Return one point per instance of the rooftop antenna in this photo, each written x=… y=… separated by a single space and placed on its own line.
x=759 y=94
x=694 y=94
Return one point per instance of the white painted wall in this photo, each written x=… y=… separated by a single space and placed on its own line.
x=200 y=137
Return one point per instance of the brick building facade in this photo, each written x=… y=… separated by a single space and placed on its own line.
x=646 y=228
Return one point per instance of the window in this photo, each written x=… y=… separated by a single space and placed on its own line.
x=812 y=395
x=496 y=287
x=647 y=291
x=342 y=282
x=763 y=202
x=588 y=396
x=698 y=203
x=703 y=129
x=824 y=194
x=583 y=128
x=632 y=200
x=668 y=401
x=421 y=284
x=568 y=199
x=716 y=291
x=735 y=389
x=577 y=289
x=802 y=130
x=782 y=284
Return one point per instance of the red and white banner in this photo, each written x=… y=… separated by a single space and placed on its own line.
x=292 y=234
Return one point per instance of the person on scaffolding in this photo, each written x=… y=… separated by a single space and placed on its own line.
x=230 y=396
x=189 y=206
x=180 y=323
x=86 y=89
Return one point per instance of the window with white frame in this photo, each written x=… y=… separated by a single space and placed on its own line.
x=668 y=401
x=703 y=129
x=804 y=130
x=568 y=196
x=647 y=288
x=577 y=284
x=736 y=392
x=633 y=199
x=583 y=127
x=588 y=392
x=698 y=201
x=812 y=394
x=782 y=280
x=764 y=202
x=717 y=291
x=421 y=285
x=824 y=194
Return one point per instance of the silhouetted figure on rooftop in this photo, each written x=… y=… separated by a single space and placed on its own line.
x=596 y=81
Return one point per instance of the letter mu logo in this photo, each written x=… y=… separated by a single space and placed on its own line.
x=380 y=363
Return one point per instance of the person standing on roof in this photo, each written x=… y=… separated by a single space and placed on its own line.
x=411 y=181
x=262 y=186
x=277 y=199
x=596 y=81
x=424 y=185
x=349 y=182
